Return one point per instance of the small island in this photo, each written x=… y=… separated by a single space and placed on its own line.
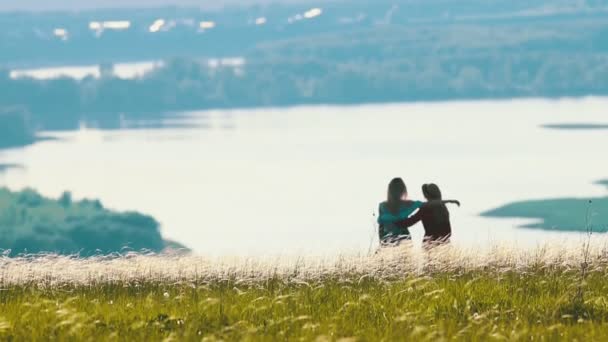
x=561 y=214
x=577 y=126
x=31 y=223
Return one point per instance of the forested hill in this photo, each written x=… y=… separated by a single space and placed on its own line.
x=15 y=128
x=369 y=29
x=31 y=223
x=336 y=53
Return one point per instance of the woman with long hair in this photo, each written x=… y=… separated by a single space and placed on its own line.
x=394 y=211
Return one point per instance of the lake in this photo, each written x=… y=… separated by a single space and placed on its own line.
x=118 y=70
x=308 y=179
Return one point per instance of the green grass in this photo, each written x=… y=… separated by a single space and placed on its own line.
x=507 y=300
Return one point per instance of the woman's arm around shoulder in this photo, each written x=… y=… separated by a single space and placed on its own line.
x=438 y=202
x=412 y=220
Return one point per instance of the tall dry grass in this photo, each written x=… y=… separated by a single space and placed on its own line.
x=389 y=263
x=553 y=292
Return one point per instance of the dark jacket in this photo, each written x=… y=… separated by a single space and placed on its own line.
x=435 y=218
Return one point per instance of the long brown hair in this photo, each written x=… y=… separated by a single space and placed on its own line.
x=396 y=189
x=431 y=191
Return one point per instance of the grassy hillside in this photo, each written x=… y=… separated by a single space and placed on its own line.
x=545 y=295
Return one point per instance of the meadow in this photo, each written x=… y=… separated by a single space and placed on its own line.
x=499 y=293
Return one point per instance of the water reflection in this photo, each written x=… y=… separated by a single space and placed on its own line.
x=120 y=70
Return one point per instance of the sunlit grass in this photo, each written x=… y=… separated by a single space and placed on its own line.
x=451 y=293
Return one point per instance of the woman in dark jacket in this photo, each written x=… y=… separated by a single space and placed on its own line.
x=435 y=218
x=397 y=208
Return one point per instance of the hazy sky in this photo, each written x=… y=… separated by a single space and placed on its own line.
x=42 y=5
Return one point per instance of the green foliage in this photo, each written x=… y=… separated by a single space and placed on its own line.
x=15 y=129
x=464 y=306
x=527 y=56
x=30 y=223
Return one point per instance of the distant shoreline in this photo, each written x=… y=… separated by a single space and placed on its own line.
x=576 y=126
x=153 y=119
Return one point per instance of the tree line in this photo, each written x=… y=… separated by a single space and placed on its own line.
x=31 y=223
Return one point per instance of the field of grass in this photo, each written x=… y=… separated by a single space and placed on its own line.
x=546 y=294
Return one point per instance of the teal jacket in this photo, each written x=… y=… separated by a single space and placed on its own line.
x=387 y=219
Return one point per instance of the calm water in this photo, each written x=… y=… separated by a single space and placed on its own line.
x=120 y=70
x=309 y=179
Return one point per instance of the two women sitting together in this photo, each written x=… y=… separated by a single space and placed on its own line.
x=395 y=215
